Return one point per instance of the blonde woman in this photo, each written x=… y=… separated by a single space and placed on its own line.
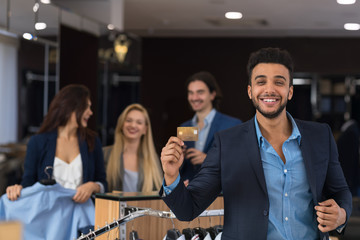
x=133 y=165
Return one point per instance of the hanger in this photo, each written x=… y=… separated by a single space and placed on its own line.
x=201 y=232
x=218 y=229
x=212 y=232
x=48 y=181
x=188 y=233
x=133 y=235
x=173 y=234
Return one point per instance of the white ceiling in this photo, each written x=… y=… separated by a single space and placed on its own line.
x=260 y=17
x=206 y=17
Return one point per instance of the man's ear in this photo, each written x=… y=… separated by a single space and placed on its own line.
x=291 y=92
x=213 y=95
x=249 y=91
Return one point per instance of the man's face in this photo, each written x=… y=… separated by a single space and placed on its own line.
x=199 y=96
x=270 y=89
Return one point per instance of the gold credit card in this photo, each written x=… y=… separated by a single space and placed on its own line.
x=188 y=133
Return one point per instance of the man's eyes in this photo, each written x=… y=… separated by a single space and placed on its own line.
x=263 y=82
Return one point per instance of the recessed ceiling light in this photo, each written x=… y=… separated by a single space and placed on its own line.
x=45 y=1
x=27 y=36
x=36 y=7
x=40 y=26
x=233 y=15
x=110 y=26
x=346 y=2
x=352 y=26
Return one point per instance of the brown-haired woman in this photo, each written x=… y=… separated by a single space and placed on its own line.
x=66 y=144
x=133 y=164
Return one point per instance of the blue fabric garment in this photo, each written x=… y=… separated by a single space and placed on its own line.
x=290 y=197
x=48 y=212
x=204 y=132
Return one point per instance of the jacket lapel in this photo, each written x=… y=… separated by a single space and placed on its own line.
x=253 y=153
x=212 y=131
x=307 y=157
x=49 y=152
x=84 y=158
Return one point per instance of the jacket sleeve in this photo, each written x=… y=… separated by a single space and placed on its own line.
x=31 y=163
x=100 y=174
x=189 y=202
x=335 y=184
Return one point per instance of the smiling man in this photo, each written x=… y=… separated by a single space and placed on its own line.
x=204 y=97
x=280 y=176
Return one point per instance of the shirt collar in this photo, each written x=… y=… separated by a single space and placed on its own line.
x=294 y=135
x=208 y=119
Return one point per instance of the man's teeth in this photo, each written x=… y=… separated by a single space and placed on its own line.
x=269 y=100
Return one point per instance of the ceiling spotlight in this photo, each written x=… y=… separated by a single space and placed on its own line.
x=27 y=36
x=40 y=26
x=36 y=7
x=233 y=15
x=352 y=26
x=346 y=2
x=45 y=1
x=110 y=26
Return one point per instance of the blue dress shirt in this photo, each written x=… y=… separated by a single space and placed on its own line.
x=171 y=187
x=292 y=214
x=204 y=132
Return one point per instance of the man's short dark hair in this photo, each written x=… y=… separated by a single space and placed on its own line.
x=271 y=55
x=210 y=82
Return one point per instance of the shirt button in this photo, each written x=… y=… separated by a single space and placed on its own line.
x=286 y=218
x=286 y=194
x=285 y=170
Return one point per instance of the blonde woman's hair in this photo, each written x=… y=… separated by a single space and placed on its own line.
x=146 y=154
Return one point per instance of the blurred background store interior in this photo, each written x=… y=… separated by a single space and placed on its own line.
x=142 y=51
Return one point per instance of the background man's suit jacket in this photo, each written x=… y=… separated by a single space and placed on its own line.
x=234 y=166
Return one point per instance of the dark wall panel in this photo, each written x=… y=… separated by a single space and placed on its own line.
x=79 y=62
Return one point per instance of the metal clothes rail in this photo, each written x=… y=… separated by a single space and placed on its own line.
x=135 y=212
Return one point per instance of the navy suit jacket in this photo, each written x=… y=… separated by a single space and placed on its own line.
x=234 y=166
x=40 y=153
x=220 y=122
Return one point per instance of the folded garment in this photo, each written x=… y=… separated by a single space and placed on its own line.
x=48 y=212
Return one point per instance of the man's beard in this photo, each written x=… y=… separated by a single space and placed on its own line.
x=272 y=114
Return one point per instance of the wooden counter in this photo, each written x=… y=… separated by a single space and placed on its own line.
x=110 y=207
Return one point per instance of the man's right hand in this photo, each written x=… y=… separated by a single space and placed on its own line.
x=13 y=192
x=172 y=157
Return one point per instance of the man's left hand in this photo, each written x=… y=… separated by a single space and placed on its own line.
x=329 y=215
x=195 y=156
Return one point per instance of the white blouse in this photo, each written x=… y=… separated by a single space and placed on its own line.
x=68 y=175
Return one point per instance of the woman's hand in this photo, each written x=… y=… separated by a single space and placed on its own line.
x=13 y=192
x=84 y=191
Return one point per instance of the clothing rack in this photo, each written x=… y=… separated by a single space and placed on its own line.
x=135 y=212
